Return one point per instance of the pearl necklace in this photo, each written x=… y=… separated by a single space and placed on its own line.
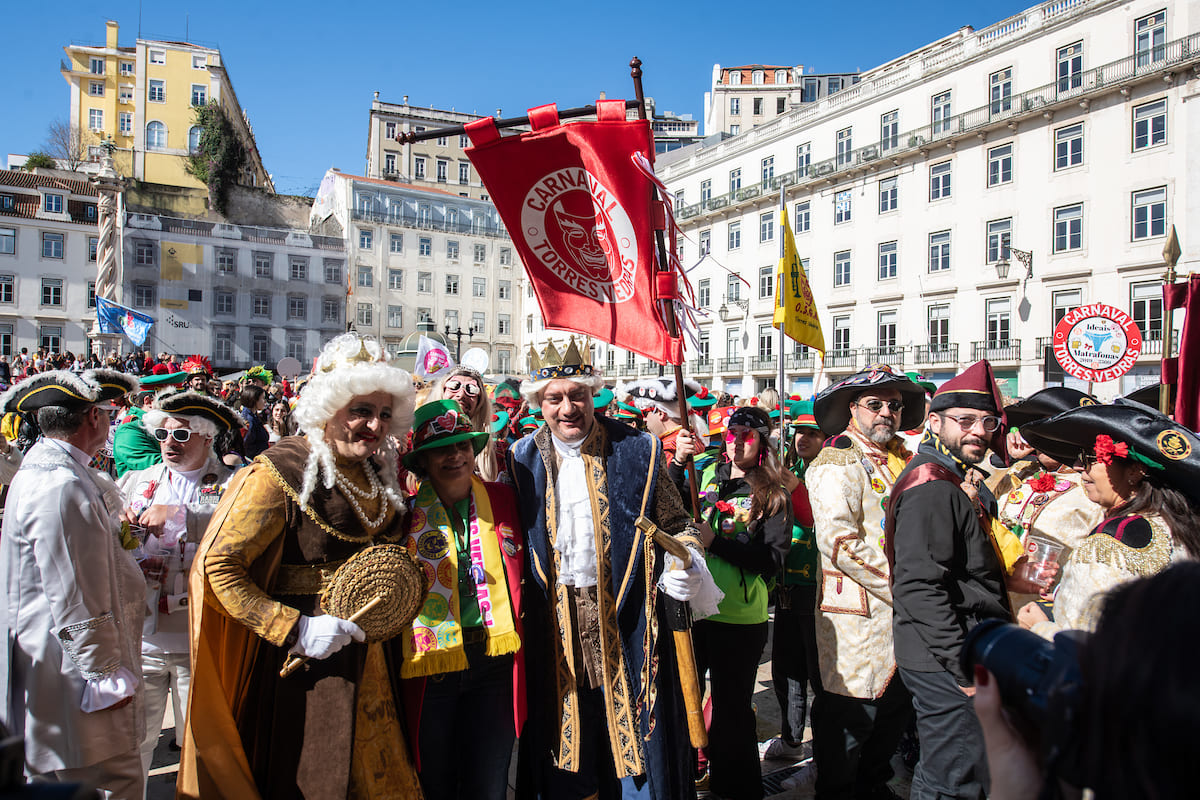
x=349 y=491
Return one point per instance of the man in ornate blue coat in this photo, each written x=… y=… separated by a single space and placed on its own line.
x=606 y=715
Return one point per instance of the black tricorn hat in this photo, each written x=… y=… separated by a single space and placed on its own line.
x=1148 y=395
x=190 y=403
x=832 y=406
x=1170 y=450
x=65 y=389
x=1046 y=403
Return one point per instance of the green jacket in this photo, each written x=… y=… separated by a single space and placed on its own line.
x=133 y=446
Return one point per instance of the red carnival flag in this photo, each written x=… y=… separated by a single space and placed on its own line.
x=1184 y=369
x=578 y=208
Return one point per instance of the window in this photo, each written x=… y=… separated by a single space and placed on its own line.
x=389 y=164
x=734 y=130
x=199 y=62
x=504 y=324
x=260 y=346
x=224 y=302
x=478 y=287
x=1150 y=38
x=504 y=290
x=1068 y=146
x=1000 y=164
x=735 y=78
x=366 y=276
x=939 y=181
x=365 y=238
x=1000 y=91
x=50 y=338
x=8 y=288
x=333 y=271
x=768 y=169
x=941 y=113
x=766 y=282
x=451 y=319
x=143 y=295
x=756 y=77
x=442 y=141
x=95 y=120
x=1070 y=67
x=845 y=144
x=735 y=106
x=464 y=141
x=419 y=168
x=452 y=250
x=425 y=282
x=889 y=130
x=997 y=313
x=425 y=246
x=887 y=261
x=194 y=138
x=939 y=251
x=199 y=94
x=464 y=172
x=158 y=56
x=803 y=216
x=1068 y=228
x=735 y=235
x=733 y=343
x=766 y=342
x=157 y=92
x=260 y=305
x=93 y=246
x=1145 y=306
x=835 y=85
x=143 y=253
x=96 y=66
x=803 y=158
x=841 y=206
x=443 y=171
x=939 y=326
x=1063 y=303
x=780 y=105
x=886 y=323
x=396 y=243
x=841 y=334
x=52 y=203
x=1150 y=213
x=733 y=287
x=841 y=268
x=125 y=94
x=126 y=67
x=125 y=123
x=810 y=91
x=297 y=308
x=396 y=280
x=52 y=291
x=295 y=345
x=95 y=88
x=452 y=284
x=395 y=316
x=156 y=135
x=705 y=242
x=479 y=322
x=264 y=265
x=389 y=130
x=1150 y=125
x=703 y=350
x=735 y=179
x=705 y=191
x=505 y=256
x=999 y=236
x=365 y=314
x=704 y=292
x=6 y=340
x=8 y=241
x=766 y=226
x=888 y=195
x=52 y=245
x=331 y=310
x=299 y=268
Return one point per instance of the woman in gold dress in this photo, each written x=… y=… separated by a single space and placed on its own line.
x=305 y=506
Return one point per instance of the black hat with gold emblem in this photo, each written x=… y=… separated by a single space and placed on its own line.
x=190 y=403
x=1046 y=403
x=64 y=389
x=1124 y=430
x=831 y=407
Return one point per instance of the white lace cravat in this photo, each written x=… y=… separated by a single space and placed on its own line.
x=575 y=538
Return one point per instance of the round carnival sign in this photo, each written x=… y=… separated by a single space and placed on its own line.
x=1097 y=342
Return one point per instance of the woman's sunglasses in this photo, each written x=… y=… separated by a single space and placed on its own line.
x=471 y=389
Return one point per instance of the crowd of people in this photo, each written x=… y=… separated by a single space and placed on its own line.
x=361 y=585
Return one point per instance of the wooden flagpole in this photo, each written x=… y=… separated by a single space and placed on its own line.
x=1171 y=253
x=408 y=137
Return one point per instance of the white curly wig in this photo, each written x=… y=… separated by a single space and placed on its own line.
x=350 y=366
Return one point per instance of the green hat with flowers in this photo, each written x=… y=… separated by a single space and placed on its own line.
x=440 y=423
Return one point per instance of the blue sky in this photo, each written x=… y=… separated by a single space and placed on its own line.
x=307 y=77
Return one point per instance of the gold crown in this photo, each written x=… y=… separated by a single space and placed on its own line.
x=338 y=358
x=552 y=364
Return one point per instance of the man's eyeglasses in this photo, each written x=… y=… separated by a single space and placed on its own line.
x=470 y=388
x=968 y=422
x=180 y=435
x=875 y=406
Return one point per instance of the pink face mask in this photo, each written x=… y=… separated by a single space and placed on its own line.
x=739 y=435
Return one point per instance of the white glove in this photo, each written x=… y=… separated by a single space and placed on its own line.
x=679 y=583
x=322 y=636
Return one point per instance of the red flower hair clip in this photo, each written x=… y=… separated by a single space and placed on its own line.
x=1106 y=448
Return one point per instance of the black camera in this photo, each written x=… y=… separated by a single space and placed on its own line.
x=1040 y=684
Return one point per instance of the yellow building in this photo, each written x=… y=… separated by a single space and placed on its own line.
x=142 y=98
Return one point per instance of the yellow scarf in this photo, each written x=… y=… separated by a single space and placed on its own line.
x=435 y=643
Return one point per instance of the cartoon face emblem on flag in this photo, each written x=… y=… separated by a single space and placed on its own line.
x=580 y=232
x=435 y=360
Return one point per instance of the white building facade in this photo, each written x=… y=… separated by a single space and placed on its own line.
x=1063 y=131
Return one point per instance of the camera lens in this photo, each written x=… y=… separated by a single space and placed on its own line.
x=1019 y=659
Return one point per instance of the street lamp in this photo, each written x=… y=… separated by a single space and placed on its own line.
x=1025 y=257
x=723 y=311
x=458 y=335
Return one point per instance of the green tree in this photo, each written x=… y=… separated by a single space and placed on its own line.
x=219 y=157
x=39 y=158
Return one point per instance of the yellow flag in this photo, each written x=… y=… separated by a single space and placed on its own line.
x=795 y=309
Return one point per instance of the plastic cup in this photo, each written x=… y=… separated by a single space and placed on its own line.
x=1040 y=552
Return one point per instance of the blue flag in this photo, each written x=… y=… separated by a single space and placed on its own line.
x=114 y=318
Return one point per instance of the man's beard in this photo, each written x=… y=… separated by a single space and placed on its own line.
x=881 y=434
x=962 y=445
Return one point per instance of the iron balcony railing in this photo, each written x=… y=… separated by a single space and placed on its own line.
x=702 y=366
x=936 y=354
x=800 y=361
x=997 y=350
x=650 y=369
x=841 y=359
x=892 y=356
x=422 y=223
x=726 y=365
x=1072 y=89
x=763 y=363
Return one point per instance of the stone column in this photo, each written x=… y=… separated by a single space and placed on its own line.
x=109 y=185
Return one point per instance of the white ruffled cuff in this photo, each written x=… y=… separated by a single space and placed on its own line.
x=104 y=692
x=708 y=595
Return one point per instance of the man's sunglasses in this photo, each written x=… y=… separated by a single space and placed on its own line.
x=180 y=435
x=875 y=406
